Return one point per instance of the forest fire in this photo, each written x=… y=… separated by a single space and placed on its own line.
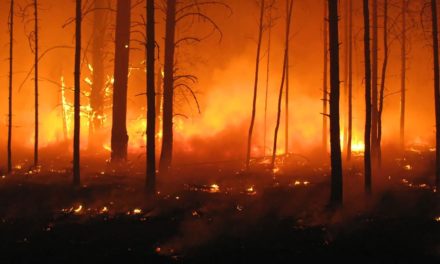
x=229 y=131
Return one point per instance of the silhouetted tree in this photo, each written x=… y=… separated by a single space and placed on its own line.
x=403 y=75
x=266 y=95
x=119 y=140
x=168 y=93
x=335 y=142
x=283 y=79
x=325 y=114
x=436 y=88
x=286 y=116
x=77 y=94
x=36 y=82
x=151 y=102
x=254 y=100
x=350 y=79
x=374 y=81
x=367 y=58
x=383 y=79
x=11 y=49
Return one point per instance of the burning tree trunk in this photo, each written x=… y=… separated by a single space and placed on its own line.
x=151 y=93
x=325 y=83
x=350 y=79
x=159 y=96
x=403 y=77
x=335 y=144
x=374 y=76
x=254 y=101
x=11 y=48
x=168 y=89
x=283 y=78
x=36 y=82
x=382 y=84
x=436 y=88
x=367 y=58
x=77 y=121
x=98 y=57
x=119 y=139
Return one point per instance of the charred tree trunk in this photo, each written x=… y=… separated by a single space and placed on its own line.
x=436 y=88
x=325 y=83
x=367 y=58
x=350 y=79
x=77 y=102
x=283 y=78
x=119 y=139
x=151 y=102
x=335 y=142
x=382 y=84
x=254 y=100
x=403 y=77
x=11 y=49
x=98 y=57
x=266 y=96
x=168 y=89
x=374 y=76
x=36 y=83
x=286 y=124
x=159 y=96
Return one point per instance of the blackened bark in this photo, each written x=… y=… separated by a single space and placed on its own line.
x=254 y=100
x=335 y=142
x=374 y=80
x=325 y=83
x=283 y=78
x=367 y=58
x=36 y=83
x=382 y=83
x=350 y=79
x=436 y=88
x=403 y=77
x=77 y=103
x=119 y=139
x=11 y=49
x=168 y=90
x=151 y=102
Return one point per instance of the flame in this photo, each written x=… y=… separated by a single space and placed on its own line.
x=78 y=209
x=214 y=188
x=137 y=211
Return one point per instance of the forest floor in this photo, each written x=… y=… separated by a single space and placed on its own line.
x=215 y=213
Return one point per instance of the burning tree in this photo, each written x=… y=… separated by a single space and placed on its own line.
x=77 y=102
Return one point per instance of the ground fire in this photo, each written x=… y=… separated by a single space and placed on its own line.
x=219 y=131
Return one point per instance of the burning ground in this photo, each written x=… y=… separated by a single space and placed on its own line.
x=215 y=212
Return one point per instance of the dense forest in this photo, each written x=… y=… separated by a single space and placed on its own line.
x=219 y=131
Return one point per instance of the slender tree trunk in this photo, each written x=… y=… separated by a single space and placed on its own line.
x=367 y=58
x=403 y=77
x=382 y=84
x=168 y=93
x=36 y=83
x=119 y=139
x=350 y=80
x=286 y=125
x=266 y=96
x=97 y=94
x=283 y=78
x=151 y=102
x=325 y=83
x=77 y=102
x=335 y=142
x=254 y=100
x=436 y=88
x=374 y=76
x=11 y=49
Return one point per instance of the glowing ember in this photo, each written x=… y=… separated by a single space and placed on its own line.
x=137 y=211
x=408 y=167
x=251 y=191
x=437 y=219
x=104 y=210
x=214 y=188
x=78 y=209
